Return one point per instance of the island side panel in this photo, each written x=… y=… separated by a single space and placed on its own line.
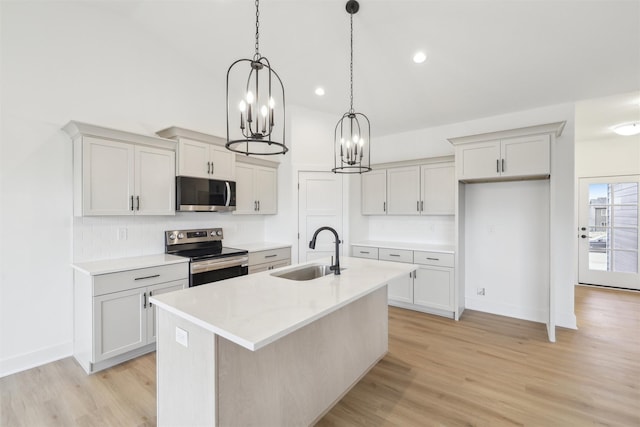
x=186 y=380
x=295 y=380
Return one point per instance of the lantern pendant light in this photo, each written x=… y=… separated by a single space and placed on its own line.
x=259 y=94
x=352 y=135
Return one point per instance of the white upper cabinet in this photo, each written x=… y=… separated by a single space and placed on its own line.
x=154 y=181
x=519 y=157
x=403 y=191
x=204 y=160
x=374 y=192
x=256 y=188
x=437 y=187
x=201 y=155
x=120 y=173
x=427 y=189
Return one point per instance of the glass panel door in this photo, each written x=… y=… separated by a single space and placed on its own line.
x=608 y=252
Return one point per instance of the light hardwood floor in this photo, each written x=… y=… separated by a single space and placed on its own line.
x=485 y=370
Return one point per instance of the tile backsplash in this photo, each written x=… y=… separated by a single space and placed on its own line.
x=413 y=229
x=118 y=236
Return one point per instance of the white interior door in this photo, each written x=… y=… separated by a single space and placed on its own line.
x=319 y=204
x=608 y=235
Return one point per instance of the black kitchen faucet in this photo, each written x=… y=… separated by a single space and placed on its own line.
x=312 y=245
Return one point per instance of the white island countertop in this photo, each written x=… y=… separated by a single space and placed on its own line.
x=428 y=247
x=106 y=266
x=256 y=310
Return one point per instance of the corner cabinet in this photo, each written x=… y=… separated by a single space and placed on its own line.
x=430 y=288
x=120 y=173
x=201 y=155
x=113 y=318
x=417 y=189
x=256 y=187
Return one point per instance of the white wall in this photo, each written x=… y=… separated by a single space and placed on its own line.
x=608 y=157
x=66 y=61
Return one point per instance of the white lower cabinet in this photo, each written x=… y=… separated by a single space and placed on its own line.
x=401 y=289
x=113 y=318
x=431 y=288
x=269 y=259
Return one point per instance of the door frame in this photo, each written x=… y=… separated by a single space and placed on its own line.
x=593 y=277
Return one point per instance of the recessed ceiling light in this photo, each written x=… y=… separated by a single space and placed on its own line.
x=319 y=91
x=627 y=129
x=419 y=57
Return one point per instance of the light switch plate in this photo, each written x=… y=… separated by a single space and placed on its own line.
x=182 y=337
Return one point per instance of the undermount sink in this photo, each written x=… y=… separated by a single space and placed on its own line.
x=305 y=272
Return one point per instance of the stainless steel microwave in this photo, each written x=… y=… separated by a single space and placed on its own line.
x=205 y=195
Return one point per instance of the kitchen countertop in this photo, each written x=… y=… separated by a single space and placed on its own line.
x=256 y=310
x=106 y=266
x=261 y=246
x=429 y=247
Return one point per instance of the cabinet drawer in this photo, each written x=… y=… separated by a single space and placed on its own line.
x=364 y=252
x=272 y=255
x=398 y=255
x=433 y=258
x=131 y=279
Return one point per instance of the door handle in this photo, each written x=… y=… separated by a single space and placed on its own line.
x=584 y=236
x=384 y=206
x=228 y=200
x=418 y=205
x=497 y=165
x=208 y=167
x=421 y=205
x=144 y=304
x=150 y=295
x=502 y=165
x=137 y=203
x=258 y=205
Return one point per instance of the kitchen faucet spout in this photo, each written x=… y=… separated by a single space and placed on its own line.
x=312 y=245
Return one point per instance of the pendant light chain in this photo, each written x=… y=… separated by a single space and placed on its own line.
x=257 y=54
x=351 y=65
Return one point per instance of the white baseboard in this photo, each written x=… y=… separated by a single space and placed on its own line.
x=40 y=357
x=501 y=309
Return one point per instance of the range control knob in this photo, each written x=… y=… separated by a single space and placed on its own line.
x=218 y=232
x=181 y=236
x=172 y=236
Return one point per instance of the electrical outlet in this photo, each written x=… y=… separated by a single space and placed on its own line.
x=122 y=233
x=182 y=337
x=480 y=291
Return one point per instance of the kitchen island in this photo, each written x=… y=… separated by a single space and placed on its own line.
x=268 y=351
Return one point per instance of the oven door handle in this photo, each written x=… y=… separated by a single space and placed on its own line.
x=211 y=265
x=226 y=203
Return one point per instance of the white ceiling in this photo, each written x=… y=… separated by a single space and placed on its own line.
x=484 y=57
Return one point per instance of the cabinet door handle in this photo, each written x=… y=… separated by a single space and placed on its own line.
x=497 y=165
x=150 y=295
x=433 y=259
x=384 y=206
x=502 y=165
x=137 y=203
x=144 y=296
x=212 y=167
x=364 y=252
x=394 y=255
x=131 y=202
x=147 y=277
x=208 y=167
x=271 y=256
x=255 y=205
x=421 y=205
x=418 y=205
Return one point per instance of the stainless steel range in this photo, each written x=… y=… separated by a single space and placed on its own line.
x=210 y=261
